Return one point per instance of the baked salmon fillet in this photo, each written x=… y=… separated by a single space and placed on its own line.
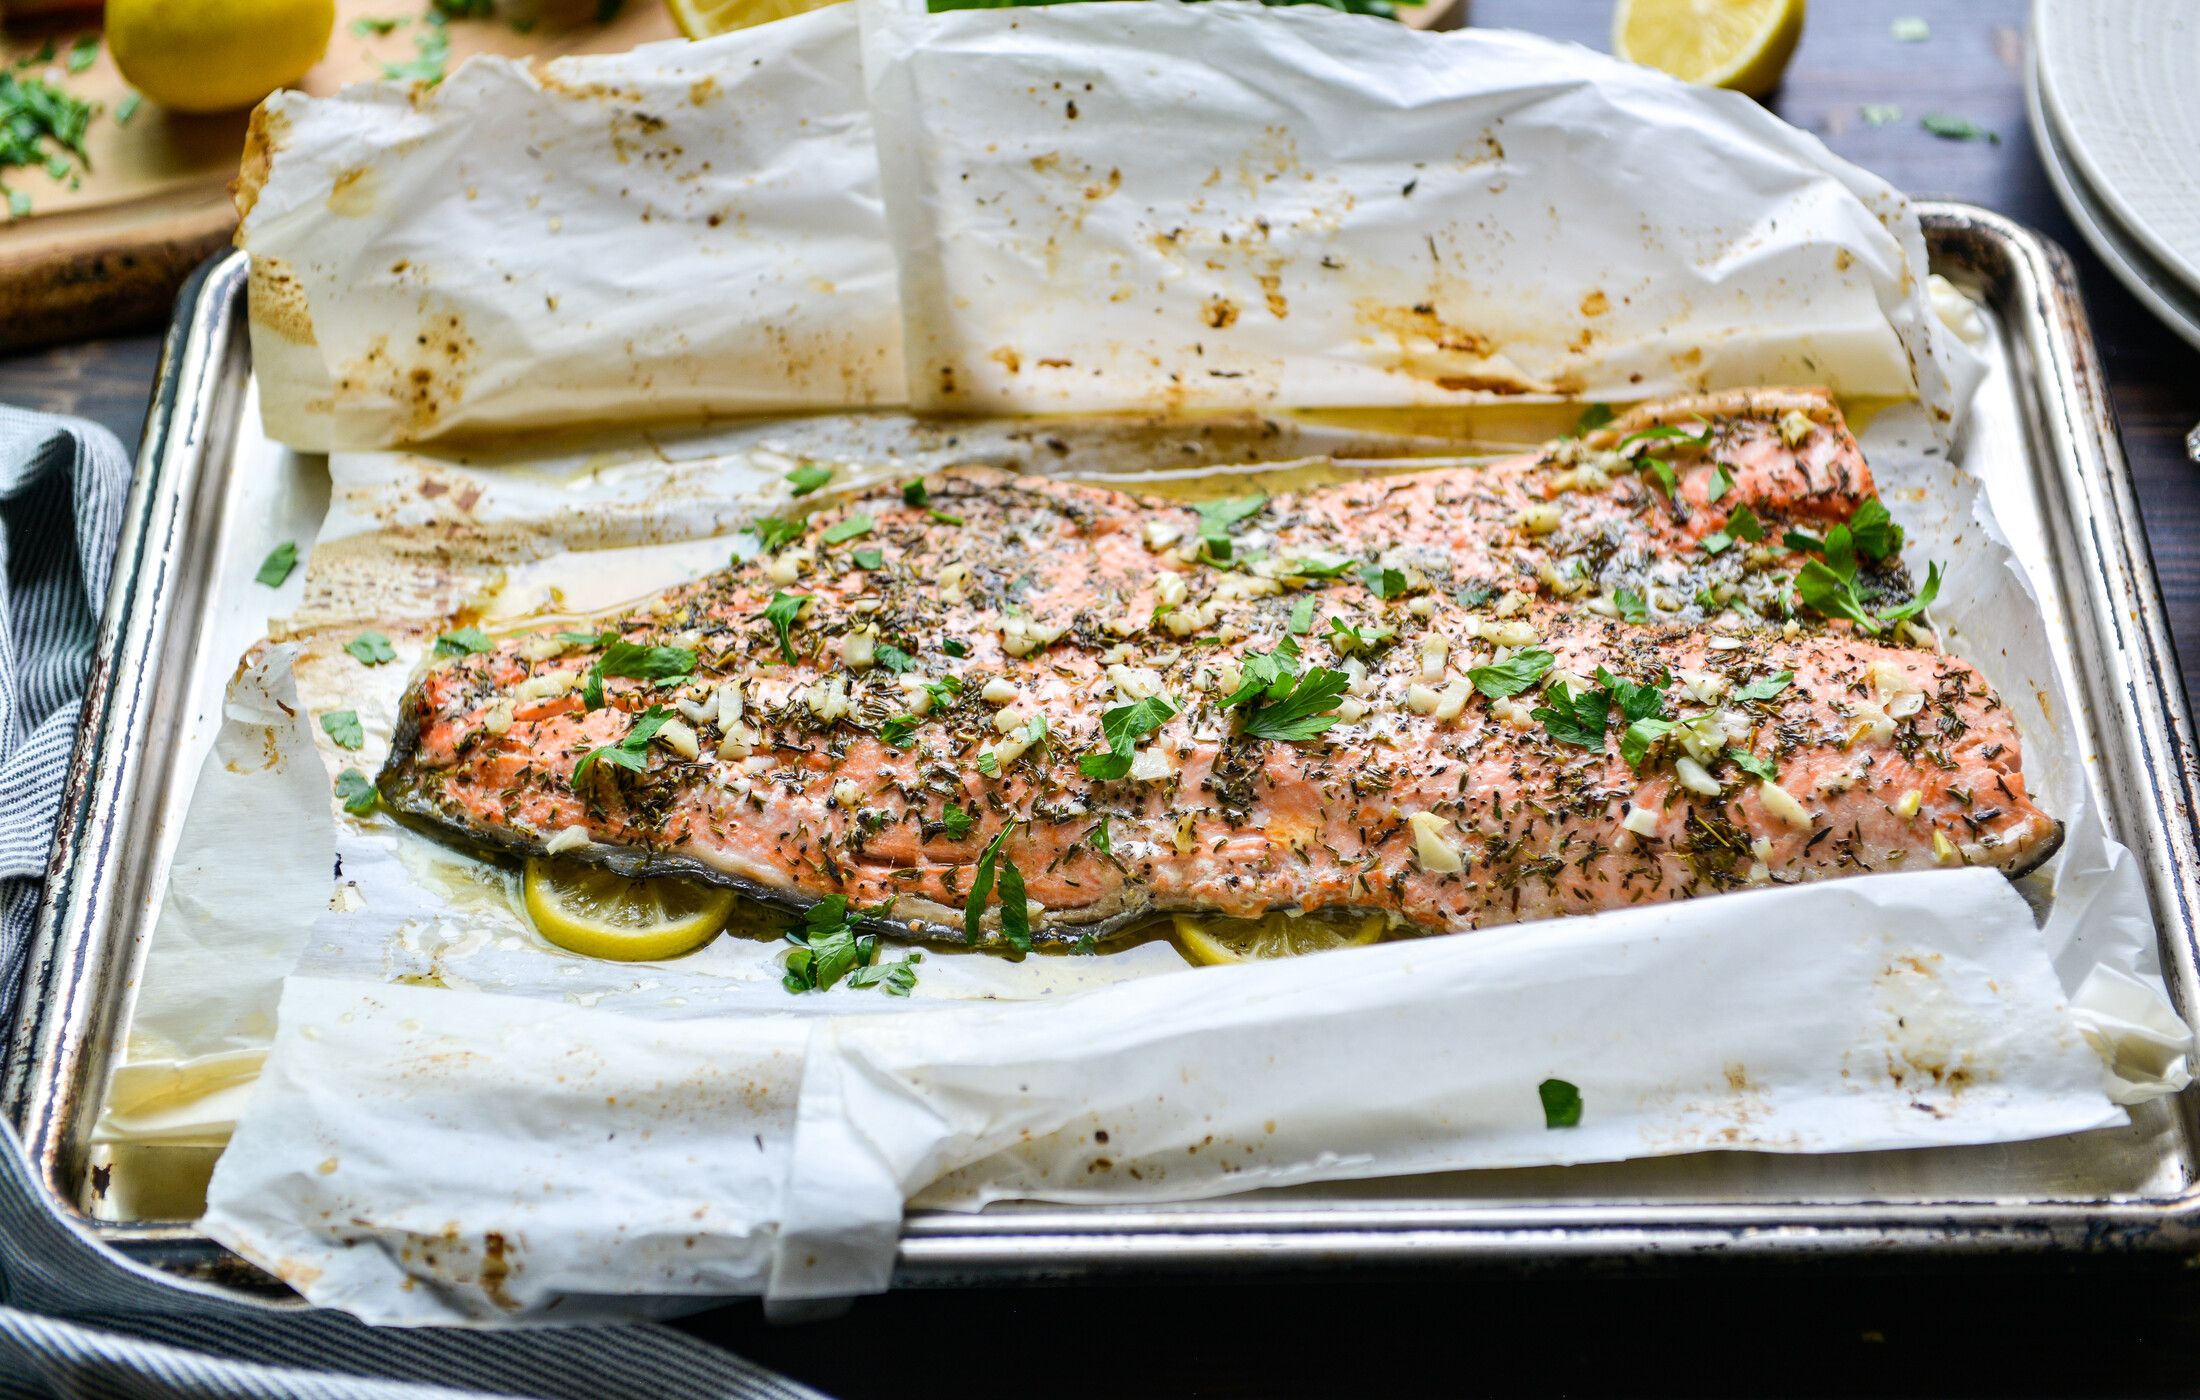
x=1675 y=654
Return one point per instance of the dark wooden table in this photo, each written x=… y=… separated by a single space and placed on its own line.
x=1808 y=1330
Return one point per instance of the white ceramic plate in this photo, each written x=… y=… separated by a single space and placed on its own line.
x=2162 y=291
x=2119 y=82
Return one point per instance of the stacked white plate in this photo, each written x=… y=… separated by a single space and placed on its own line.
x=2114 y=96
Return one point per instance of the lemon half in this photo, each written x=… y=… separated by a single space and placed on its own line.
x=699 y=19
x=1212 y=940
x=215 y=55
x=1740 y=44
x=586 y=910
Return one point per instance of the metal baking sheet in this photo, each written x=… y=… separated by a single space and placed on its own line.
x=211 y=491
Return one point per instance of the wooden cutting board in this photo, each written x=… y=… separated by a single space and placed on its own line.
x=110 y=253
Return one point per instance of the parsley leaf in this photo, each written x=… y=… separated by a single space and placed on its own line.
x=774 y=534
x=943 y=691
x=1099 y=837
x=1922 y=601
x=1636 y=739
x=1754 y=766
x=1829 y=594
x=988 y=764
x=277 y=565
x=1347 y=639
x=1764 y=688
x=981 y=885
x=1302 y=615
x=1383 y=583
x=869 y=559
x=1634 y=701
x=1661 y=475
x=1015 y=907
x=645 y=663
x=1512 y=675
x=356 y=791
x=1953 y=128
x=895 y=979
x=1574 y=716
x=371 y=649
x=944 y=518
x=344 y=728
x=915 y=493
x=631 y=752
x=1304 y=711
x=1265 y=675
x=853 y=527
x=1631 y=606
x=1474 y=595
x=893 y=658
x=466 y=641
x=1122 y=727
x=1879 y=113
x=808 y=477
x=900 y=731
x=1561 y=1103
x=1873 y=530
x=827 y=946
x=1666 y=431
x=956 y=821
x=1216 y=519
x=781 y=613
x=1593 y=417
x=1721 y=482
x=955 y=646
x=1308 y=568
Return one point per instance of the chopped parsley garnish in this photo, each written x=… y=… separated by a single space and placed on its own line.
x=1383 y=583
x=33 y=113
x=981 y=889
x=1631 y=606
x=636 y=662
x=1880 y=113
x=895 y=979
x=1122 y=726
x=915 y=493
x=466 y=641
x=943 y=691
x=84 y=52
x=1301 y=621
x=1636 y=739
x=1216 y=519
x=956 y=821
x=1593 y=417
x=988 y=764
x=1346 y=639
x=1874 y=531
x=631 y=752
x=1743 y=524
x=1953 y=128
x=1504 y=679
x=1828 y=585
x=1764 y=688
x=869 y=559
x=1754 y=766
x=1101 y=841
x=893 y=658
x=588 y=639
x=1474 y=595
x=356 y=792
x=1721 y=482
x=1661 y=475
x=1574 y=716
x=128 y=107
x=1561 y=1103
x=369 y=26
x=955 y=646
x=828 y=948
x=1301 y=712
x=900 y=731
x=344 y=729
x=808 y=477
x=774 y=534
x=852 y=527
x=944 y=518
x=1308 y=568
x=1015 y=907
x=277 y=565
x=371 y=649
x=1266 y=675
x=781 y=612
x=433 y=48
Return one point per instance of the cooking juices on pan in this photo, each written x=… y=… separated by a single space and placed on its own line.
x=1678 y=653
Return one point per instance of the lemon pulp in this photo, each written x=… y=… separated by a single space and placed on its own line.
x=603 y=915
x=699 y=19
x=1740 y=44
x=1212 y=940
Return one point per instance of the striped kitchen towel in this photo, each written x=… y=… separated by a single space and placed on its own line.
x=76 y=1318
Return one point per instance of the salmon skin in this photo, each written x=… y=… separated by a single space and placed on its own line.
x=1676 y=654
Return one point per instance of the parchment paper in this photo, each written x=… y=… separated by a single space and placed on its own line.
x=457 y=1122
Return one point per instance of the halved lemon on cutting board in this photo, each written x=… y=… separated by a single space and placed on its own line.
x=593 y=912
x=699 y=19
x=1740 y=44
x=1215 y=940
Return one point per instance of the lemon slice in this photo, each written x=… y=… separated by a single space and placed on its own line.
x=699 y=19
x=586 y=910
x=1211 y=939
x=1740 y=44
